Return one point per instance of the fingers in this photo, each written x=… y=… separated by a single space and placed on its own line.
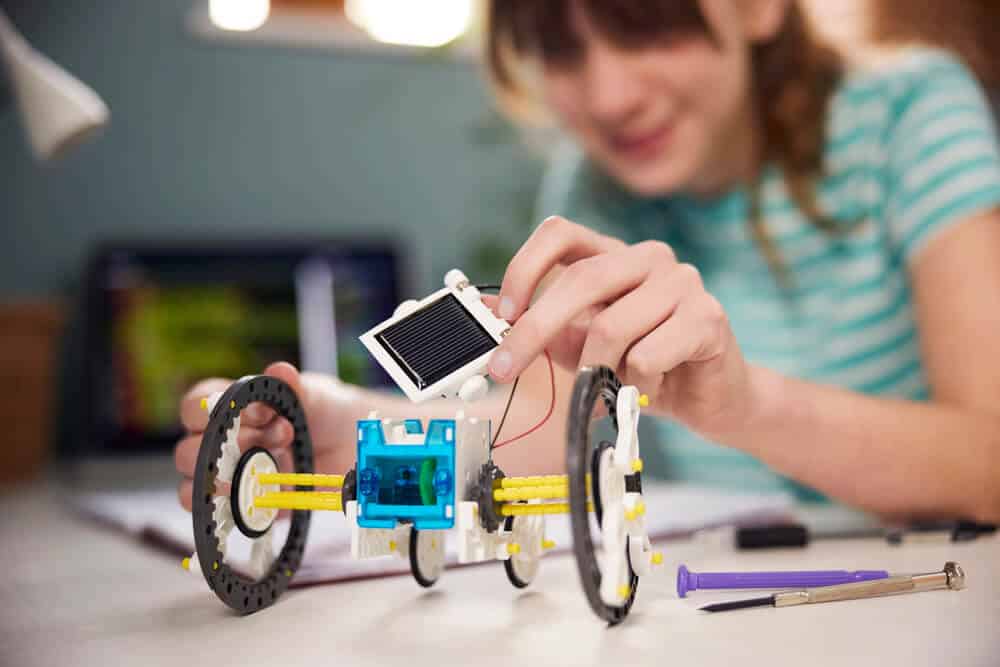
x=184 y=490
x=491 y=301
x=696 y=332
x=556 y=241
x=289 y=374
x=277 y=438
x=276 y=435
x=619 y=326
x=586 y=283
x=259 y=425
x=193 y=416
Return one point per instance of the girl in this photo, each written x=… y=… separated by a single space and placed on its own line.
x=795 y=259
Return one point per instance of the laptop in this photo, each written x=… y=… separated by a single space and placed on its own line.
x=153 y=319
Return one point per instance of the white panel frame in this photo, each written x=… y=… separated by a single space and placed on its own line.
x=469 y=298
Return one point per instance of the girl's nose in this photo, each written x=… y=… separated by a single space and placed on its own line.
x=613 y=89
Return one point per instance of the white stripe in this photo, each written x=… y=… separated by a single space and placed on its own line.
x=932 y=202
x=849 y=117
x=963 y=152
x=814 y=337
x=959 y=128
x=823 y=311
x=858 y=155
x=908 y=386
x=877 y=368
x=842 y=347
x=855 y=269
x=956 y=92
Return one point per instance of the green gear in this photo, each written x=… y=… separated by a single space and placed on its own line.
x=427 y=469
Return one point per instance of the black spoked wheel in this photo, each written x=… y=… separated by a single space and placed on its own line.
x=592 y=384
x=242 y=593
x=426 y=556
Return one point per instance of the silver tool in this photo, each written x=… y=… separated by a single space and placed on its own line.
x=952 y=577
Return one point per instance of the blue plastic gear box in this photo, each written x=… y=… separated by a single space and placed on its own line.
x=410 y=479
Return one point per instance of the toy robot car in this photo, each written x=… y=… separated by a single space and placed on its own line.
x=414 y=484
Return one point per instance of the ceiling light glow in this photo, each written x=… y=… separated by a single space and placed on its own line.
x=427 y=23
x=239 y=15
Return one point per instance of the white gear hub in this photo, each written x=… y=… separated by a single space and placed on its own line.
x=249 y=488
x=528 y=533
x=430 y=553
x=261 y=550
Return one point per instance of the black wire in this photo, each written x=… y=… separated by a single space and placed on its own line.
x=510 y=397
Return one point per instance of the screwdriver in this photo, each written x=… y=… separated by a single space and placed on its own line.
x=951 y=577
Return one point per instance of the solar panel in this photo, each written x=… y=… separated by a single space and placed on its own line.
x=435 y=341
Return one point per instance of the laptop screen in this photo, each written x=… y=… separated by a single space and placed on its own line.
x=159 y=319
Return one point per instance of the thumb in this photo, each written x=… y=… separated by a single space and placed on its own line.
x=491 y=301
x=289 y=375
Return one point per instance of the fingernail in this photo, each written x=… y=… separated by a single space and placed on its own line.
x=506 y=307
x=500 y=363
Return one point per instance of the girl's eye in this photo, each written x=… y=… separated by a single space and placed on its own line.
x=562 y=57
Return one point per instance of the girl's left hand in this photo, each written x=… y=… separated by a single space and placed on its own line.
x=635 y=309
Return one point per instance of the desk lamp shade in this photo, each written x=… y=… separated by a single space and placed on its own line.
x=59 y=111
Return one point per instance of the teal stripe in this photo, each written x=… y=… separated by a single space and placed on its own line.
x=895 y=306
x=886 y=382
x=978 y=200
x=961 y=94
x=739 y=305
x=842 y=142
x=986 y=159
x=871 y=285
x=882 y=349
x=945 y=176
x=860 y=90
x=974 y=138
x=932 y=118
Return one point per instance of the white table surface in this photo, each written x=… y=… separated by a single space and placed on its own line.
x=75 y=594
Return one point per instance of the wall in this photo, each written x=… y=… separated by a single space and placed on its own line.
x=212 y=140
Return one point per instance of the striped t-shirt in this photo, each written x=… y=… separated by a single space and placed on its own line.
x=911 y=150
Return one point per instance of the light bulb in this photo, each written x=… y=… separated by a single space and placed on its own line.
x=241 y=15
x=426 y=23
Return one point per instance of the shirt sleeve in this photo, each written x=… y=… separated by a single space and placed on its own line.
x=942 y=155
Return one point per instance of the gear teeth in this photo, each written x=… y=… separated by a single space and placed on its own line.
x=261 y=556
x=223 y=516
x=229 y=453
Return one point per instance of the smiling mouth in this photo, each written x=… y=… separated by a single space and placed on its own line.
x=642 y=145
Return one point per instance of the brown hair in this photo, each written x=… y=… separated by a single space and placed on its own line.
x=968 y=27
x=794 y=77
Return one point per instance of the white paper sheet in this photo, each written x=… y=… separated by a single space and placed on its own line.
x=673 y=510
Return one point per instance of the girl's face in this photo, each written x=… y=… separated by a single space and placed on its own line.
x=674 y=116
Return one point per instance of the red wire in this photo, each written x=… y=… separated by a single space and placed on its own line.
x=552 y=405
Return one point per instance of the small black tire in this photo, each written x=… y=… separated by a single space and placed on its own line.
x=426 y=556
x=516 y=578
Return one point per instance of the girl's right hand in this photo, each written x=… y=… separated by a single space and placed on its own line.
x=331 y=409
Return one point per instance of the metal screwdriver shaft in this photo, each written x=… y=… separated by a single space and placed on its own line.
x=951 y=576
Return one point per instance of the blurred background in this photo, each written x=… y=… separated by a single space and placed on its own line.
x=252 y=158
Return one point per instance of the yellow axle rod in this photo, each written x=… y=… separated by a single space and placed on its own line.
x=532 y=493
x=535 y=482
x=540 y=480
x=300 y=479
x=544 y=508
x=300 y=500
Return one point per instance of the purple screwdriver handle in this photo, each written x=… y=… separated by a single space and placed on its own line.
x=691 y=581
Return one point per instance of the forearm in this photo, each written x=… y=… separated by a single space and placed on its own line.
x=893 y=457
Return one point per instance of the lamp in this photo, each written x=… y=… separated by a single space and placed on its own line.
x=58 y=110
